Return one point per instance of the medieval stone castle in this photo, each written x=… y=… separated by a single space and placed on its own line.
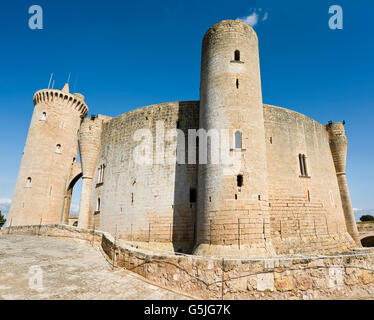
x=288 y=196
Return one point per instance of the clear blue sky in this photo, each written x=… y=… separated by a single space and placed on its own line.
x=127 y=54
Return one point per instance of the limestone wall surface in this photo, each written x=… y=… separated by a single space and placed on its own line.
x=146 y=202
x=306 y=209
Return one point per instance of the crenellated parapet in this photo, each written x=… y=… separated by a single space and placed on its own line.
x=54 y=96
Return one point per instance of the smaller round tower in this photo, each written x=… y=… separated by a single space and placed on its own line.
x=89 y=146
x=339 y=146
x=51 y=149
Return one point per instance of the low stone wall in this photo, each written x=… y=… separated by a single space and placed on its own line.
x=299 y=277
x=57 y=231
x=365 y=226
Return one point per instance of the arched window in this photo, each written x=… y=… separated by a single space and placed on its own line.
x=238 y=140
x=28 y=182
x=303 y=165
x=44 y=116
x=237 y=55
x=58 y=148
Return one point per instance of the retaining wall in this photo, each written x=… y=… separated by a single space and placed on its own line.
x=349 y=275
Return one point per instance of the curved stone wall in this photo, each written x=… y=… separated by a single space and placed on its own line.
x=146 y=203
x=150 y=203
x=305 y=210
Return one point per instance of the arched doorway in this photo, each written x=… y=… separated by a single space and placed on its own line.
x=69 y=196
x=368 y=241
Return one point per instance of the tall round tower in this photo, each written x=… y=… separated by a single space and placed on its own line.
x=50 y=150
x=233 y=218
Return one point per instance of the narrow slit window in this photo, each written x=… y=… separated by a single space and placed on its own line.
x=101 y=174
x=192 y=195
x=99 y=177
x=237 y=83
x=44 y=116
x=98 y=204
x=28 y=182
x=237 y=55
x=238 y=140
x=58 y=148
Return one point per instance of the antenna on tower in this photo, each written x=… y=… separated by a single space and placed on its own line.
x=50 y=79
x=69 y=77
x=53 y=84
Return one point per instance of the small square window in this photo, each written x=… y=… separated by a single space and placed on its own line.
x=239 y=180
x=193 y=195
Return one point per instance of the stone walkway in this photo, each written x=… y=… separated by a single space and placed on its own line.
x=33 y=267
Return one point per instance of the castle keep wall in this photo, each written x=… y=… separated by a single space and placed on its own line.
x=150 y=203
x=302 y=209
x=146 y=202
